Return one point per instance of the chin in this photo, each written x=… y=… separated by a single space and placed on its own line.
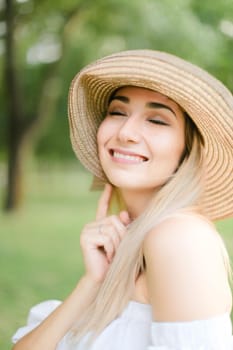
x=135 y=185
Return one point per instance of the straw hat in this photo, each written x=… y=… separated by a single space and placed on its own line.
x=206 y=100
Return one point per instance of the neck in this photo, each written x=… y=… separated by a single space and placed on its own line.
x=136 y=201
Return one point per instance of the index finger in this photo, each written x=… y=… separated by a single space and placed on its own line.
x=104 y=201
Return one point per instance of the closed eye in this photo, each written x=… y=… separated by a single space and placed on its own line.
x=116 y=113
x=157 y=121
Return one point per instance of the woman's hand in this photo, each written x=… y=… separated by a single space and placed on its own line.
x=100 y=239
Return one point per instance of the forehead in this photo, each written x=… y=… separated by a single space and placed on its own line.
x=145 y=94
x=139 y=91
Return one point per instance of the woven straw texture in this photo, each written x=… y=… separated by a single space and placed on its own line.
x=207 y=101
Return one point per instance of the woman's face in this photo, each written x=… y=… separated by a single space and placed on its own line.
x=141 y=140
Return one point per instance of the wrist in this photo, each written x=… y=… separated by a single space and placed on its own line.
x=91 y=281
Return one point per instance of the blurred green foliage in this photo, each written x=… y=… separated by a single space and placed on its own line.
x=65 y=35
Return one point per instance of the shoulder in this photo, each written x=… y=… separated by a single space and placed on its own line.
x=183 y=231
x=185 y=270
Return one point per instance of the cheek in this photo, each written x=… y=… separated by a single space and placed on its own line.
x=101 y=134
x=104 y=133
x=178 y=149
x=100 y=142
x=181 y=145
x=170 y=145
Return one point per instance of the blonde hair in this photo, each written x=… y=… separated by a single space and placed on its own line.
x=183 y=190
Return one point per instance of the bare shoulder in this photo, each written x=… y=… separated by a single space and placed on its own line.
x=185 y=271
x=183 y=229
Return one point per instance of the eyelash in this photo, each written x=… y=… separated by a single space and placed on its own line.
x=116 y=113
x=155 y=121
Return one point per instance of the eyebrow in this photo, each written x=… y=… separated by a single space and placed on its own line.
x=154 y=105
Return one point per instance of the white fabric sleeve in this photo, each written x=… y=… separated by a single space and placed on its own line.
x=211 y=334
x=36 y=315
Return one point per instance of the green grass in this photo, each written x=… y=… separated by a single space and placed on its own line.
x=39 y=252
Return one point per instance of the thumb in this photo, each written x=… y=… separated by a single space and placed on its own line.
x=125 y=218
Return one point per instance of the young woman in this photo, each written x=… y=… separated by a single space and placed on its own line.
x=156 y=132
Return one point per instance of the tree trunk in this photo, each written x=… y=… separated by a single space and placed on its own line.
x=15 y=117
x=14 y=173
x=23 y=131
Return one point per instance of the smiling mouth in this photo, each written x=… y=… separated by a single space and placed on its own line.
x=127 y=156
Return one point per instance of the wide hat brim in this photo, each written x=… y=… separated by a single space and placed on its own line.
x=206 y=100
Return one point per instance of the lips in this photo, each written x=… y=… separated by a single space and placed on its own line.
x=127 y=156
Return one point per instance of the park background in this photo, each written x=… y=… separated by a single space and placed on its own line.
x=44 y=191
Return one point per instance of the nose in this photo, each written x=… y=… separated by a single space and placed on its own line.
x=130 y=130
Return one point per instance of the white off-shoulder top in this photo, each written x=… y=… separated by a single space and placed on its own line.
x=134 y=329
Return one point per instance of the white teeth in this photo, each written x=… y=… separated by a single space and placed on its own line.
x=126 y=156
